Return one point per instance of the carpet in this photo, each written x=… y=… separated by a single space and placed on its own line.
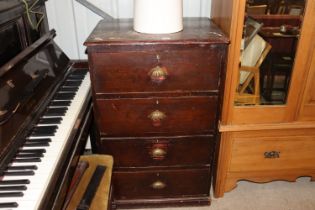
x=277 y=195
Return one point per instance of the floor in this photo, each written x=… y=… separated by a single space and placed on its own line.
x=278 y=195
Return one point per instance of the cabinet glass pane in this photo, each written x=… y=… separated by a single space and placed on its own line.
x=270 y=38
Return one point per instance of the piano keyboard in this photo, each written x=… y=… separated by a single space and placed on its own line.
x=25 y=180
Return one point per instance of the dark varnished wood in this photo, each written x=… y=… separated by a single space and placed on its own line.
x=24 y=98
x=25 y=106
x=178 y=183
x=119 y=32
x=16 y=32
x=278 y=20
x=178 y=149
x=139 y=152
x=187 y=70
x=183 y=115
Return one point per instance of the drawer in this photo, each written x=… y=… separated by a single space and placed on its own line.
x=159 y=184
x=273 y=153
x=159 y=151
x=185 y=70
x=148 y=116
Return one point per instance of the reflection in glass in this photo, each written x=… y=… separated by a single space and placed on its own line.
x=270 y=38
x=10 y=42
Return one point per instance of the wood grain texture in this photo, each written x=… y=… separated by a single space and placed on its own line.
x=250 y=130
x=174 y=151
x=178 y=183
x=156 y=102
x=187 y=70
x=294 y=152
x=131 y=117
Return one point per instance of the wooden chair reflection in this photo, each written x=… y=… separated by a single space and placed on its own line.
x=256 y=9
x=295 y=9
x=248 y=91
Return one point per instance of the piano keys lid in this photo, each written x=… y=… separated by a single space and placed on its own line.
x=26 y=81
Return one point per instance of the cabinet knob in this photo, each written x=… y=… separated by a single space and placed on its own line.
x=156 y=117
x=272 y=154
x=158 y=74
x=158 y=153
x=158 y=185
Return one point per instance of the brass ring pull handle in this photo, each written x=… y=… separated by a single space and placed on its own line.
x=158 y=74
x=158 y=153
x=272 y=154
x=158 y=185
x=3 y=112
x=156 y=117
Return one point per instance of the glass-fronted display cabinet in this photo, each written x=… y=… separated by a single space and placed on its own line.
x=269 y=101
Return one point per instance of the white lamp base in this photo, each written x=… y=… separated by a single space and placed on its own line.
x=158 y=16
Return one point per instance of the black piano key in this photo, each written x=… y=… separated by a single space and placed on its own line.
x=17 y=173
x=72 y=83
x=39 y=140
x=75 y=78
x=9 y=205
x=64 y=96
x=27 y=160
x=60 y=103
x=13 y=188
x=16 y=181
x=79 y=72
x=68 y=89
x=11 y=194
x=56 y=111
x=44 y=130
x=30 y=155
x=26 y=167
x=23 y=151
x=51 y=120
x=36 y=144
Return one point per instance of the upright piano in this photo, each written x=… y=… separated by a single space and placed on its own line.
x=45 y=115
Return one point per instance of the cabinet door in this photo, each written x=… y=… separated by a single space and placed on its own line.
x=265 y=111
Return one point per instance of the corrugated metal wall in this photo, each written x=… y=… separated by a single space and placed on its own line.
x=73 y=22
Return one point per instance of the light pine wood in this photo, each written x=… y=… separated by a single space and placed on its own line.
x=223 y=164
x=307 y=111
x=295 y=152
x=247 y=131
x=259 y=127
x=241 y=157
x=226 y=13
x=265 y=176
x=233 y=17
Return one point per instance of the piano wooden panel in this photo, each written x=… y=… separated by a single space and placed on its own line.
x=31 y=78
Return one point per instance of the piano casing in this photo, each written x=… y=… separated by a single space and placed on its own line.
x=29 y=79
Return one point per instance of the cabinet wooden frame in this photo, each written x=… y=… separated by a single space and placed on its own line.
x=296 y=116
x=228 y=18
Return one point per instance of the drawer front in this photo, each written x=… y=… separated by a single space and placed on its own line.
x=159 y=184
x=190 y=70
x=147 y=116
x=273 y=153
x=159 y=151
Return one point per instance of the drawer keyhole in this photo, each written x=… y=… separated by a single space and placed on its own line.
x=272 y=154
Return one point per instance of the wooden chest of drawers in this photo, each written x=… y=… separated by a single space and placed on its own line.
x=156 y=107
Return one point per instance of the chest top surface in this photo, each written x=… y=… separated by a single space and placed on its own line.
x=120 y=32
